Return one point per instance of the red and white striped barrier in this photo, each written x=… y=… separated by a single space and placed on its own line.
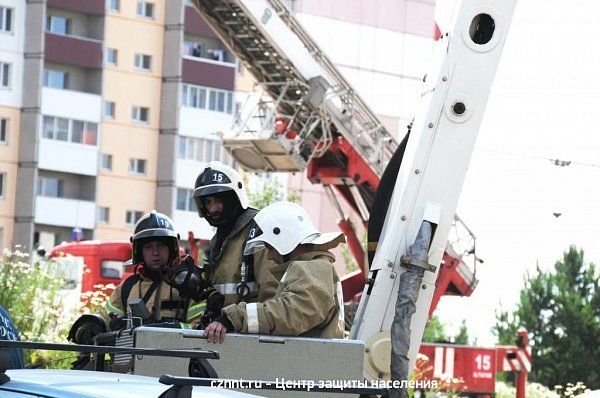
x=515 y=360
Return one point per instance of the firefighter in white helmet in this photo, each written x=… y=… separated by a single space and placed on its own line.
x=220 y=197
x=309 y=298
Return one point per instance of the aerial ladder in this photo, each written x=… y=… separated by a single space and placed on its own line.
x=314 y=120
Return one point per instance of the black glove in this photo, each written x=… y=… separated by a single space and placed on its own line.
x=226 y=322
x=86 y=332
x=117 y=322
x=85 y=329
x=214 y=300
x=214 y=304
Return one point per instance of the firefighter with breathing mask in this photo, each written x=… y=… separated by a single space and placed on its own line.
x=221 y=199
x=168 y=284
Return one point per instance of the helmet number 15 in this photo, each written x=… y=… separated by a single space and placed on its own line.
x=217 y=177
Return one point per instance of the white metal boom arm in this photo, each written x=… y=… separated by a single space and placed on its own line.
x=433 y=169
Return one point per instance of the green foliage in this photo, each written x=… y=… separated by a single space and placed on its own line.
x=463 y=335
x=31 y=294
x=265 y=193
x=435 y=332
x=293 y=196
x=349 y=260
x=561 y=311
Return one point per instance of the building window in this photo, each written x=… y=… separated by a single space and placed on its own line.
x=109 y=110
x=113 y=5
x=2 y=182
x=106 y=162
x=142 y=62
x=75 y=131
x=112 y=269
x=137 y=166
x=6 y=20
x=202 y=150
x=131 y=216
x=56 y=79
x=3 y=130
x=145 y=9
x=140 y=114
x=4 y=75
x=111 y=56
x=58 y=25
x=185 y=199
x=216 y=54
x=206 y=98
x=192 y=49
x=103 y=214
x=52 y=187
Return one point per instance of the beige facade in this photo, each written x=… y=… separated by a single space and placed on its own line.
x=9 y=154
x=124 y=139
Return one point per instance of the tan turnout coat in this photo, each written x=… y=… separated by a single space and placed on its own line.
x=308 y=302
x=225 y=275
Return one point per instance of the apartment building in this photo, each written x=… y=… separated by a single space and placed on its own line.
x=107 y=109
x=12 y=37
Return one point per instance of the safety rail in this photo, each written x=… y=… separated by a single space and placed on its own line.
x=293 y=70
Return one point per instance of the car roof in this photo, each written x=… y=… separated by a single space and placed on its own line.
x=80 y=384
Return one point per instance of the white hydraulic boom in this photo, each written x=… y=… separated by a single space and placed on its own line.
x=427 y=189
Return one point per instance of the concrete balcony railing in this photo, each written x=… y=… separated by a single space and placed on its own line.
x=71 y=104
x=68 y=157
x=64 y=212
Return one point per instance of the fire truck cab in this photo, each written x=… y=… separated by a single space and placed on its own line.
x=91 y=263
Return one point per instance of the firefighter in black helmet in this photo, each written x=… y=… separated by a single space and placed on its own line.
x=220 y=197
x=168 y=284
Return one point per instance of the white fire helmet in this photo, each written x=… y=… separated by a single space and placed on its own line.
x=217 y=177
x=284 y=226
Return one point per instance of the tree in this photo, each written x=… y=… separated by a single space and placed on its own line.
x=561 y=311
x=263 y=192
x=463 y=335
x=434 y=331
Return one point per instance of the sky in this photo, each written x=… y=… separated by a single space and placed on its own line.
x=544 y=104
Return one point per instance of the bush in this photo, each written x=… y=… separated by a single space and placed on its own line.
x=33 y=296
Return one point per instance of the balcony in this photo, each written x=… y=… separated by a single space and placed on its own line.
x=201 y=122
x=68 y=157
x=71 y=104
x=195 y=24
x=189 y=221
x=92 y=7
x=208 y=73
x=187 y=171
x=65 y=212
x=73 y=50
